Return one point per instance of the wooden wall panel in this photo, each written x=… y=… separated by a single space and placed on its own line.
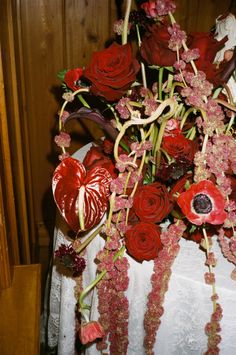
x=200 y=15
x=14 y=127
x=9 y=248
x=5 y=265
x=87 y=27
x=40 y=39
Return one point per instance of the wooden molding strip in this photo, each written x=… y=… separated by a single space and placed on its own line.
x=8 y=203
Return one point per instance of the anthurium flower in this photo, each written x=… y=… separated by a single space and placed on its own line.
x=90 y=331
x=70 y=180
x=203 y=203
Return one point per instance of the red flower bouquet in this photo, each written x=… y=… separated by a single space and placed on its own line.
x=165 y=168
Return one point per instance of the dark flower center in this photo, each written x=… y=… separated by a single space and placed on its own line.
x=202 y=204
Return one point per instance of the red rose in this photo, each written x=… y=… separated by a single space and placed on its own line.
x=143 y=241
x=90 y=332
x=152 y=203
x=154 y=48
x=112 y=71
x=72 y=77
x=179 y=146
x=95 y=157
x=203 y=203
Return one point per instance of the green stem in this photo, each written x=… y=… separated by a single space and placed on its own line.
x=126 y=22
x=88 y=240
x=160 y=80
x=230 y=123
x=83 y=101
x=112 y=203
x=217 y=92
x=157 y=152
x=66 y=102
x=118 y=124
x=97 y=279
x=169 y=84
x=191 y=133
x=174 y=86
x=187 y=113
x=143 y=71
x=136 y=183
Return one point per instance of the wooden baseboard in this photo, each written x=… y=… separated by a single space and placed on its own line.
x=20 y=312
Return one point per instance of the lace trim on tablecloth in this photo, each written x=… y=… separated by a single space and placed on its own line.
x=58 y=321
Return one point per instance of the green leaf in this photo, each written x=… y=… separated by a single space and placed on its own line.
x=64 y=87
x=187 y=185
x=61 y=74
x=192 y=229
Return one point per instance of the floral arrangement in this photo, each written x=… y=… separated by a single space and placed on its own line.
x=168 y=155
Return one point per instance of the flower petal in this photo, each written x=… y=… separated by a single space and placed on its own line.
x=68 y=177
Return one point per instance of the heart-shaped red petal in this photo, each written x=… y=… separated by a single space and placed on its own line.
x=68 y=177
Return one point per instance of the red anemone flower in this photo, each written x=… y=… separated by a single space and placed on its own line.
x=203 y=203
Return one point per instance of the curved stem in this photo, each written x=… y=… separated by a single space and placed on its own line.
x=173 y=88
x=169 y=102
x=190 y=110
x=232 y=107
x=66 y=102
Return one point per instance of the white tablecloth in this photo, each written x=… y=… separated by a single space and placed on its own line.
x=187 y=303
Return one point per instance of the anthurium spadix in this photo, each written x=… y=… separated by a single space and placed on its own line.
x=81 y=196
